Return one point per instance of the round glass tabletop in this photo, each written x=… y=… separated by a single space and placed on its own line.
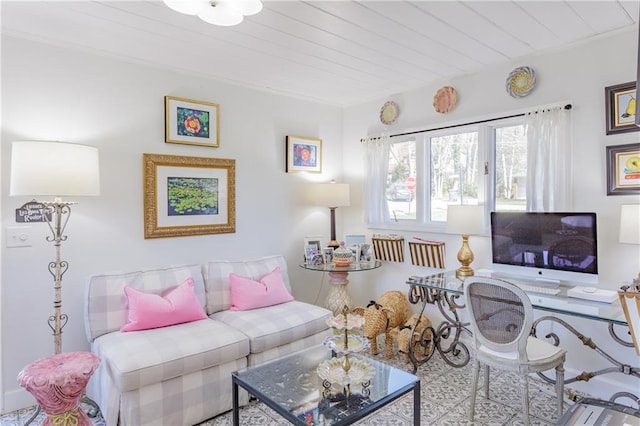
x=353 y=267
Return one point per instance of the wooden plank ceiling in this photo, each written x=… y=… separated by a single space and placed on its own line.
x=335 y=52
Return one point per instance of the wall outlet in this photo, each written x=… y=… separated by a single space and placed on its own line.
x=18 y=236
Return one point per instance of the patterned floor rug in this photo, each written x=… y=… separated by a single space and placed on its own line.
x=444 y=402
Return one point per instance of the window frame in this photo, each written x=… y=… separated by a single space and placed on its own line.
x=485 y=178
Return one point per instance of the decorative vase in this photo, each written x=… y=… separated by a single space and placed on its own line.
x=342 y=256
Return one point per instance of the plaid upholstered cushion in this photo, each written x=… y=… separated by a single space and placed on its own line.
x=140 y=358
x=217 y=278
x=277 y=325
x=106 y=304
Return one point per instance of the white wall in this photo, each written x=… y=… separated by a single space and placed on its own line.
x=576 y=76
x=60 y=94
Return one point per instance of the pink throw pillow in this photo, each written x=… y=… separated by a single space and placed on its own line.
x=147 y=311
x=250 y=294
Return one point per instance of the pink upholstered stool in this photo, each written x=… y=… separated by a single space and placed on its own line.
x=57 y=383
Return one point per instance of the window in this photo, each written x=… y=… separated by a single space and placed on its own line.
x=475 y=164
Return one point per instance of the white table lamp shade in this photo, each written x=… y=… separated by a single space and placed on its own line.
x=465 y=219
x=630 y=224
x=331 y=194
x=54 y=168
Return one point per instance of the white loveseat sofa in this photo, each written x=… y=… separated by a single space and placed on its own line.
x=181 y=374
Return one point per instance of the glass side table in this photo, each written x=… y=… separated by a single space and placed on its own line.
x=338 y=295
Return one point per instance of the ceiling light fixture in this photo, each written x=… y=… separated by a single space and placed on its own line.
x=217 y=12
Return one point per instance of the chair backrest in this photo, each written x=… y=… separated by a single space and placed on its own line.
x=501 y=316
x=630 y=302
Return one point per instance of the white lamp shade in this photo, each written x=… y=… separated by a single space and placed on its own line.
x=465 y=219
x=331 y=194
x=54 y=168
x=630 y=224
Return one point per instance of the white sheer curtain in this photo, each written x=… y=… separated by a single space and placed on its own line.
x=377 y=162
x=549 y=140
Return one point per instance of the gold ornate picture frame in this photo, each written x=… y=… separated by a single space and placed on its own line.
x=185 y=196
x=191 y=122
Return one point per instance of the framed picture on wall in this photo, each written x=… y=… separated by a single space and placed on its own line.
x=191 y=122
x=620 y=102
x=623 y=169
x=304 y=154
x=186 y=196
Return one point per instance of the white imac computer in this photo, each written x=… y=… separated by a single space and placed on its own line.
x=546 y=247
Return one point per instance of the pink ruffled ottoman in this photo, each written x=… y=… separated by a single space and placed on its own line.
x=57 y=383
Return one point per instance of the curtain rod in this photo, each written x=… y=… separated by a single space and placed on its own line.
x=567 y=107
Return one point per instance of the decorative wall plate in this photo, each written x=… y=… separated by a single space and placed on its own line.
x=445 y=99
x=521 y=82
x=389 y=112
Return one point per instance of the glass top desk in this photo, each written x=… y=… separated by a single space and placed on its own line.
x=446 y=291
x=292 y=387
x=338 y=295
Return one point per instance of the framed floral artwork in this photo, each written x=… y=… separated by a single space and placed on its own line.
x=304 y=154
x=620 y=102
x=186 y=196
x=623 y=169
x=191 y=122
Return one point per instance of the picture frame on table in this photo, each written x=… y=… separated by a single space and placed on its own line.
x=623 y=169
x=327 y=254
x=186 y=196
x=191 y=122
x=304 y=154
x=312 y=249
x=620 y=106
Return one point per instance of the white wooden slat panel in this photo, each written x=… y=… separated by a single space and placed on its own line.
x=307 y=38
x=447 y=34
x=276 y=43
x=559 y=18
x=632 y=8
x=236 y=66
x=513 y=19
x=475 y=26
x=369 y=58
x=376 y=40
x=602 y=16
x=394 y=28
x=338 y=52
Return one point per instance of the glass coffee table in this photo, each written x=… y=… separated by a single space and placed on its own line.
x=293 y=388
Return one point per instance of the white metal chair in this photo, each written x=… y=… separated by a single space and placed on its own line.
x=501 y=321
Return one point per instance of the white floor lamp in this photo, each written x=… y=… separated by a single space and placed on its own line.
x=42 y=168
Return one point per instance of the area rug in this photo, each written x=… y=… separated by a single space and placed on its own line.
x=444 y=402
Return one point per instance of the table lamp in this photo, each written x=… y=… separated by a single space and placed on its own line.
x=630 y=229
x=42 y=168
x=465 y=220
x=332 y=195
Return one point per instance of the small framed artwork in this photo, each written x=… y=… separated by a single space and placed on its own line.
x=620 y=101
x=186 y=196
x=191 y=122
x=623 y=169
x=304 y=154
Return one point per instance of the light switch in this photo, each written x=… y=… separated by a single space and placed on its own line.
x=18 y=236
